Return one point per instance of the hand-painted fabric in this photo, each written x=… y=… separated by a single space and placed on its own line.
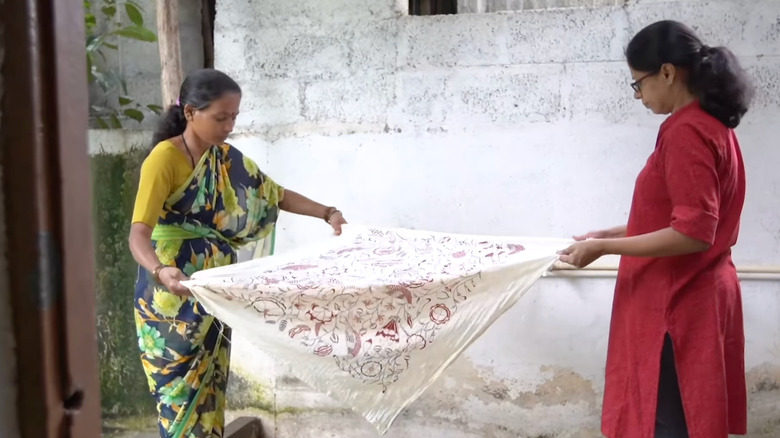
x=374 y=316
x=225 y=204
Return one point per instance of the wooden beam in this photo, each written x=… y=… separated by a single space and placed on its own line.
x=207 y=28
x=170 y=49
x=30 y=226
x=81 y=396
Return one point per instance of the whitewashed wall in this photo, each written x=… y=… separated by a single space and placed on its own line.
x=512 y=123
x=482 y=6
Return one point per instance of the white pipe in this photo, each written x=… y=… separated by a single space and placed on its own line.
x=748 y=272
x=613 y=274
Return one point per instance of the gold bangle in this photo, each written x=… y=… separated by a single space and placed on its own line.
x=156 y=272
x=329 y=213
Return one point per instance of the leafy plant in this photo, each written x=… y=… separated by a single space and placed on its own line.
x=123 y=386
x=104 y=34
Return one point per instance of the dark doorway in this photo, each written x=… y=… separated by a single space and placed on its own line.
x=433 y=7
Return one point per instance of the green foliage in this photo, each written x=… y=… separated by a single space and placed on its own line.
x=124 y=390
x=103 y=35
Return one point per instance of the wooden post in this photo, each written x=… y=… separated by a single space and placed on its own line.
x=48 y=219
x=170 y=49
x=207 y=28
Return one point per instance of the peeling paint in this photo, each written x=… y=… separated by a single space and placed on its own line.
x=561 y=403
x=763 y=384
x=559 y=385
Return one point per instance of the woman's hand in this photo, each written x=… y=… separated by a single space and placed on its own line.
x=582 y=253
x=171 y=277
x=336 y=220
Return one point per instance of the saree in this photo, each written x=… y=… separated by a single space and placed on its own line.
x=374 y=316
x=225 y=204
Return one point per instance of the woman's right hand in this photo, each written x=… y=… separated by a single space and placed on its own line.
x=611 y=233
x=171 y=277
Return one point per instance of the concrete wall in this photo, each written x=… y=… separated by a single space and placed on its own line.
x=482 y=6
x=513 y=123
x=114 y=141
x=8 y=422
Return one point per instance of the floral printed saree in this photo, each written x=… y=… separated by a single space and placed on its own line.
x=226 y=203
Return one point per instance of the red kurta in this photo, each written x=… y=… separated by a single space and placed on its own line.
x=694 y=181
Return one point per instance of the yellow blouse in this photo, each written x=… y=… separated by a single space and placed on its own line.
x=162 y=172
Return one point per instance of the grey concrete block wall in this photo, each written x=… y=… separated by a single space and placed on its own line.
x=372 y=47
x=486 y=6
x=446 y=41
x=345 y=38
x=295 y=52
x=332 y=54
x=305 y=13
x=271 y=102
x=602 y=90
x=567 y=35
x=765 y=72
x=360 y=99
x=506 y=96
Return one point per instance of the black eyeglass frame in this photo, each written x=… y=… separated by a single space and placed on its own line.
x=637 y=84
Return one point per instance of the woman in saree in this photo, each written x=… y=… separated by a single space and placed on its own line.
x=198 y=200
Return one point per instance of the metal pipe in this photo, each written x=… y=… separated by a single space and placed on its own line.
x=746 y=272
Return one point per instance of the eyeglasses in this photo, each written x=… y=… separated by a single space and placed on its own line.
x=637 y=85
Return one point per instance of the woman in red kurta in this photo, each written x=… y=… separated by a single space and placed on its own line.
x=675 y=363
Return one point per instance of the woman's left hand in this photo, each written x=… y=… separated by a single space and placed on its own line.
x=583 y=253
x=336 y=220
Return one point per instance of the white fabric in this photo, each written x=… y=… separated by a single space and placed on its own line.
x=374 y=316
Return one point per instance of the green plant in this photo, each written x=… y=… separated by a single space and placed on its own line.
x=104 y=34
x=123 y=385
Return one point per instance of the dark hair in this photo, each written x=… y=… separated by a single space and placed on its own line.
x=715 y=76
x=199 y=89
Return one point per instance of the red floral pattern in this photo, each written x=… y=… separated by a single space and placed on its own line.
x=371 y=303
